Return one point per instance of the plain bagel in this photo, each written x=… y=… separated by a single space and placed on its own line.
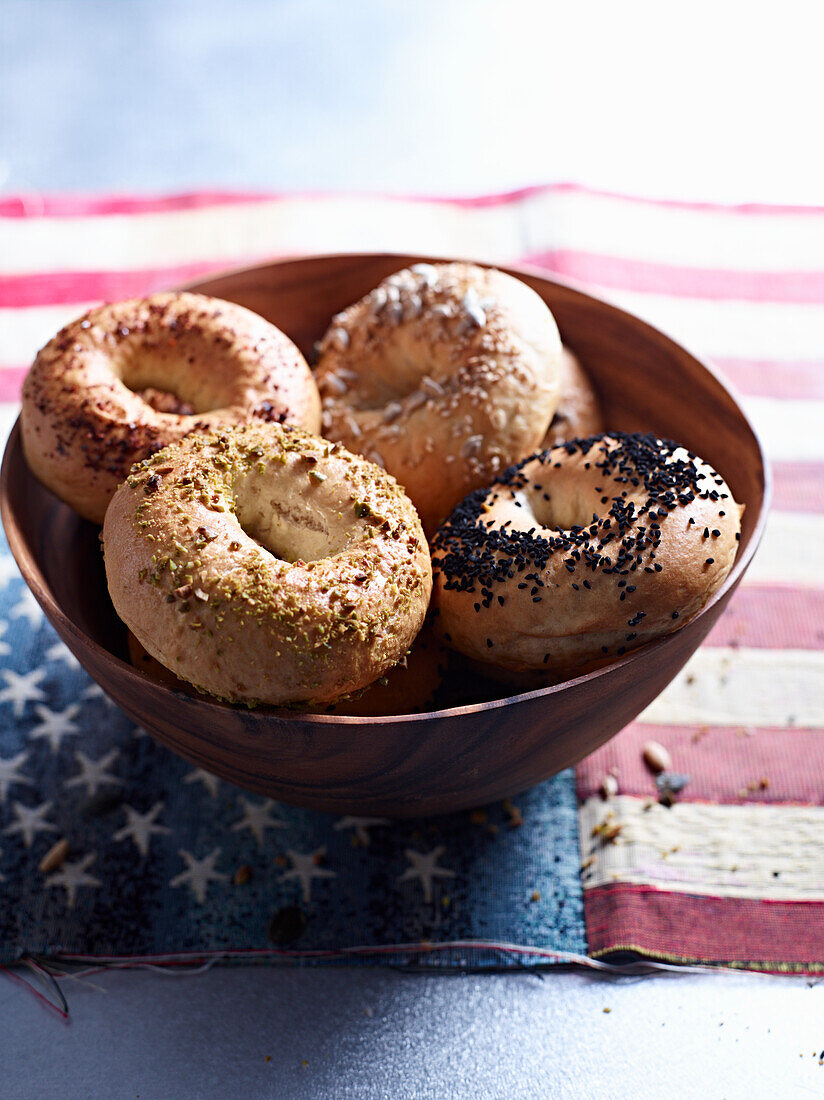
x=266 y=565
x=582 y=553
x=124 y=380
x=579 y=411
x=445 y=375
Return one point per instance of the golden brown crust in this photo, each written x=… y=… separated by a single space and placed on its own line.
x=579 y=411
x=94 y=397
x=408 y=688
x=266 y=565
x=444 y=374
x=583 y=553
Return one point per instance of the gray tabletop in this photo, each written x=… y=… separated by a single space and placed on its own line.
x=263 y=1032
x=453 y=96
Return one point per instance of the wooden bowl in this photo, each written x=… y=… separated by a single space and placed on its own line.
x=412 y=764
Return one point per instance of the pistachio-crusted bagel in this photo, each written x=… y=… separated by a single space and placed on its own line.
x=124 y=380
x=583 y=552
x=445 y=374
x=579 y=411
x=266 y=565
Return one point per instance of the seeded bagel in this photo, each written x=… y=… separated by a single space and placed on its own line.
x=124 y=380
x=445 y=375
x=582 y=553
x=266 y=565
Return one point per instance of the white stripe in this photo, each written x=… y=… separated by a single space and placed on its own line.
x=790 y=551
x=672 y=235
x=723 y=850
x=722 y=686
x=24 y=331
x=731 y=328
x=223 y=233
x=569 y=220
x=790 y=430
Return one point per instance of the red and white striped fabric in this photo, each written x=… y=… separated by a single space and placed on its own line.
x=730 y=873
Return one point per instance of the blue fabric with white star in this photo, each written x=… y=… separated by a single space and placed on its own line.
x=155 y=846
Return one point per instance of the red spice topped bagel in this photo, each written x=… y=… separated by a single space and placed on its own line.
x=124 y=380
x=583 y=552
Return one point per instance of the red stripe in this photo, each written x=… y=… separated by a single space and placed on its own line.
x=11 y=383
x=64 y=287
x=48 y=205
x=798 y=487
x=763 y=934
x=772 y=617
x=616 y=272
x=725 y=764
x=775 y=378
x=78 y=205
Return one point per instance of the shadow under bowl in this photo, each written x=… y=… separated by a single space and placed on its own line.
x=410 y=764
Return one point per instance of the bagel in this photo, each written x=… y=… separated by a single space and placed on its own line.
x=583 y=552
x=121 y=382
x=266 y=565
x=408 y=688
x=445 y=374
x=579 y=411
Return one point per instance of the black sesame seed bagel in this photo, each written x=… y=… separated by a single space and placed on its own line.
x=266 y=565
x=583 y=552
x=126 y=379
x=445 y=375
x=579 y=410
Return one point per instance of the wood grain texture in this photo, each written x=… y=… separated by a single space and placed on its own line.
x=442 y=760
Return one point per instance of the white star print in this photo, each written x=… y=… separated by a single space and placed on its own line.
x=305 y=868
x=199 y=873
x=72 y=875
x=30 y=820
x=209 y=781
x=93 y=773
x=10 y=773
x=8 y=569
x=21 y=689
x=27 y=607
x=61 y=652
x=55 y=725
x=139 y=733
x=257 y=818
x=360 y=825
x=424 y=867
x=4 y=646
x=141 y=827
x=95 y=691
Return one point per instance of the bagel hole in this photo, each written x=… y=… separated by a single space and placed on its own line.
x=174 y=381
x=560 y=513
x=165 y=401
x=288 y=530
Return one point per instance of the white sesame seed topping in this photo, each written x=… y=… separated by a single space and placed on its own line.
x=338 y=338
x=431 y=387
x=426 y=272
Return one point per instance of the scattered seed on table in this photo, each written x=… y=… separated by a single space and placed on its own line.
x=656 y=757
x=55 y=856
x=609 y=787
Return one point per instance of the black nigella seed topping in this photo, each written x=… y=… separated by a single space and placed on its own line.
x=619 y=542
